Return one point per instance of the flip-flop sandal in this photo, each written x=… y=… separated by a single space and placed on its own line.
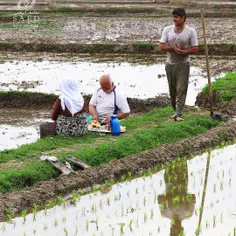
x=179 y=119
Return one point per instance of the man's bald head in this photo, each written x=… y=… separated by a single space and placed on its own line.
x=106 y=83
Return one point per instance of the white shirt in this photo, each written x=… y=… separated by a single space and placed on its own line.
x=185 y=40
x=105 y=102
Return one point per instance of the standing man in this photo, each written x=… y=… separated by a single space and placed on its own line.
x=179 y=41
x=106 y=101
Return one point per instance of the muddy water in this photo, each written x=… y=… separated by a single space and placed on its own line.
x=137 y=81
x=167 y=203
x=18 y=127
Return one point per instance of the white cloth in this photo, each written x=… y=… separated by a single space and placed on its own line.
x=185 y=40
x=104 y=102
x=70 y=96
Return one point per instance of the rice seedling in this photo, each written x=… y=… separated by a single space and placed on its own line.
x=150 y=173
x=96 y=189
x=221 y=217
x=129 y=174
x=207 y=224
x=45 y=212
x=76 y=229
x=122 y=225
x=161 y=182
x=3 y=227
x=214 y=188
x=50 y=204
x=55 y=222
x=93 y=208
x=166 y=203
x=122 y=210
x=23 y=215
x=96 y=222
x=187 y=213
x=63 y=219
x=35 y=210
x=108 y=201
x=123 y=178
x=100 y=204
x=130 y=225
x=181 y=233
x=155 y=168
x=151 y=215
x=83 y=211
x=189 y=197
x=155 y=195
x=9 y=214
x=144 y=201
x=214 y=221
x=158 y=229
x=145 y=217
x=137 y=221
x=198 y=230
x=45 y=227
x=172 y=222
x=34 y=231
x=66 y=231
x=136 y=190
x=87 y=225
x=74 y=197
x=221 y=185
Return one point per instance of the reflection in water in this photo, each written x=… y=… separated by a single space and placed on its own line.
x=131 y=208
x=176 y=204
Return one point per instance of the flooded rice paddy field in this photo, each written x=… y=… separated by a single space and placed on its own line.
x=188 y=197
x=111 y=29
x=139 y=77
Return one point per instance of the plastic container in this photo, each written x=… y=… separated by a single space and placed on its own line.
x=115 y=125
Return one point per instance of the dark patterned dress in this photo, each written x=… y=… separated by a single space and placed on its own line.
x=72 y=126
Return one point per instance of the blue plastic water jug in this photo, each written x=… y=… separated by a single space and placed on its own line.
x=115 y=125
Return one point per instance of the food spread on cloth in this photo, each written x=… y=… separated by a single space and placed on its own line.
x=97 y=127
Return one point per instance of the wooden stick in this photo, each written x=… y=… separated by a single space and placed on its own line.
x=207 y=63
x=77 y=162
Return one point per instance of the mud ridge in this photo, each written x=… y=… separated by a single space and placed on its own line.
x=224 y=107
x=120 y=48
x=63 y=185
x=46 y=101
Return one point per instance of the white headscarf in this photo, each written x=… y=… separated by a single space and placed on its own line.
x=71 y=96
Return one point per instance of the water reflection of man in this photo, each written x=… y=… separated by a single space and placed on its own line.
x=177 y=204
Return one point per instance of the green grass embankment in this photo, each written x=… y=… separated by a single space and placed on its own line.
x=226 y=86
x=20 y=168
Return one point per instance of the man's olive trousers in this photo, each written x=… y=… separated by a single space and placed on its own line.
x=178 y=77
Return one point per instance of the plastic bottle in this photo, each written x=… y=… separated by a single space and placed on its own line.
x=115 y=125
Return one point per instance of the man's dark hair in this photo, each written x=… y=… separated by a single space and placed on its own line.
x=179 y=12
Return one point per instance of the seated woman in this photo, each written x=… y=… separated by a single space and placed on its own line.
x=70 y=110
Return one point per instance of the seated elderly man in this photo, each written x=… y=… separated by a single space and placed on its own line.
x=108 y=100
